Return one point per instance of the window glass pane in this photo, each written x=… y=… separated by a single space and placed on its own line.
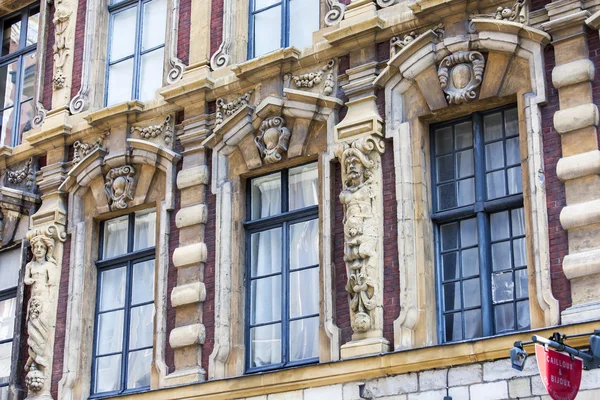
x=466 y=192
x=502 y=287
x=115 y=237
x=515 y=184
x=265 y=345
x=3 y=389
x=154 y=23
x=494 y=156
x=523 y=320
x=8 y=80
x=492 y=126
x=518 y=222
x=453 y=327
x=138 y=374
x=304 y=339
x=499 y=225
x=266 y=196
x=143 y=282
x=28 y=78
x=108 y=373
x=304 y=299
x=495 y=185
x=9 y=268
x=445 y=168
x=304 y=21
x=265 y=304
x=505 y=317
x=151 y=74
x=112 y=289
x=470 y=262
x=267 y=31
x=447 y=196
x=260 y=4
x=120 y=80
x=7 y=126
x=122 y=37
x=473 y=324
x=521 y=283
x=145 y=230
x=464 y=163
x=141 y=326
x=33 y=26
x=501 y=256
x=304 y=244
x=511 y=122
x=449 y=236
x=464 y=135
x=110 y=332
x=5 y=361
x=468 y=232
x=8 y=309
x=519 y=255
x=11 y=35
x=443 y=140
x=450 y=266
x=471 y=293
x=26 y=118
x=266 y=252
x=452 y=296
x=303 y=186
x=512 y=151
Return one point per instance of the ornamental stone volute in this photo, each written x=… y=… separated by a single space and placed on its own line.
x=460 y=76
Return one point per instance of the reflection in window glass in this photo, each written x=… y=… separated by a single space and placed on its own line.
x=10 y=265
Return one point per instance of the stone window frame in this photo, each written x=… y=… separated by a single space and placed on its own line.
x=94 y=84
x=88 y=205
x=407 y=123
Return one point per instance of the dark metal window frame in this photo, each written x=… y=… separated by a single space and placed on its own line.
x=481 y=210
x=126 y=260
x=283 y=220
x=113 y=10
x=18 y=56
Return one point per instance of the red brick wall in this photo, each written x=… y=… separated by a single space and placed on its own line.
x=183 y=33
x=78 y=47
x=48 y=62
x=61 y=319
x=216 y=25
x=555 y=190
x=208 y=308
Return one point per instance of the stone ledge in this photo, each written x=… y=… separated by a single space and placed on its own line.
x=580 y=215
x=185 y=376
x=188 y=335
x=579 y=265
x=575 y=118
x=578 y=165
x=189 y=255
x=192 y=177
x=190 y=216
x=572 y=73
x=188 y=294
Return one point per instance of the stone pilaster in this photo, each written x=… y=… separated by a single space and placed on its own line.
x=577 y=122
x=189 y=334
x=65 y=14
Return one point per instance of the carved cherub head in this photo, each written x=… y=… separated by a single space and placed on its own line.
x=273 y=139
x=119 y=187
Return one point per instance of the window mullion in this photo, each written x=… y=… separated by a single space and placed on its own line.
x=126 y=325
x=285 y=15
x=137 y=51
x=17 y=103
x=285 y=294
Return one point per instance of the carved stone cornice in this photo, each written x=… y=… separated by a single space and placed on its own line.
x=360 y=19
x=118 y=113
x=191 y=88
x=256 y=69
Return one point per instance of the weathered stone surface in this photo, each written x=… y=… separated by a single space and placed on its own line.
x=465 y=375
x=399 y=384
x=192 y=177
x=190 y=216
x=190 y=254
x=519 y=388
x=489 y=391
x=577 y=117
x=572 y=73
x=188 y=294
x=434 y=379
x=187 y=335
x=324 y=392
x=578 y=165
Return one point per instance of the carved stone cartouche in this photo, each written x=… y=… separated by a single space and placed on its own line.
x=119 y=187
x=273 y=140
x=460 y=76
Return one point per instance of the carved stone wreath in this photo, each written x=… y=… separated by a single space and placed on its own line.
x=460 y=76
x=273 y=139
x=119 y=187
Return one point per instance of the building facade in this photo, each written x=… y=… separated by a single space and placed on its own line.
x=295 y=199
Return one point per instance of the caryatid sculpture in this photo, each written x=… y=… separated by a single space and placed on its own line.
x=42 y=274
x=361 y=199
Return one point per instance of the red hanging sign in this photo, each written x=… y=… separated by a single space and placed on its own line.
x=561 y=374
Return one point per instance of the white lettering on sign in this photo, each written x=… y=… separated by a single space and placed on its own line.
x=559 y=363
x=560 y=381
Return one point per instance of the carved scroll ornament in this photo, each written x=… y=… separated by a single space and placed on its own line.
x=362 y=223
x=225 y=110
x=153 y=131
x=335 y=13
x=273 y=139
x=119 y=187
x=61 y=52
x=41 y=273
x=460 y=76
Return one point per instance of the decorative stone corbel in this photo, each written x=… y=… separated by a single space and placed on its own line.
x=335 y=13
x=120 y=186
x=222 y=56
x=42 y=273
x=273 y=140
x=225 y=110
x=153 y=131
x=460 y=76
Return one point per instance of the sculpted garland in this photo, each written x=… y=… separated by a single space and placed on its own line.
x=359 y=197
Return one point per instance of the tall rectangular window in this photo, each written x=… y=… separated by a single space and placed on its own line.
x=136 y=49
x=125 y=304
x=17 y=73
x=480 y=228
x=9 y=279
x=281 y=23
x=282 y=269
